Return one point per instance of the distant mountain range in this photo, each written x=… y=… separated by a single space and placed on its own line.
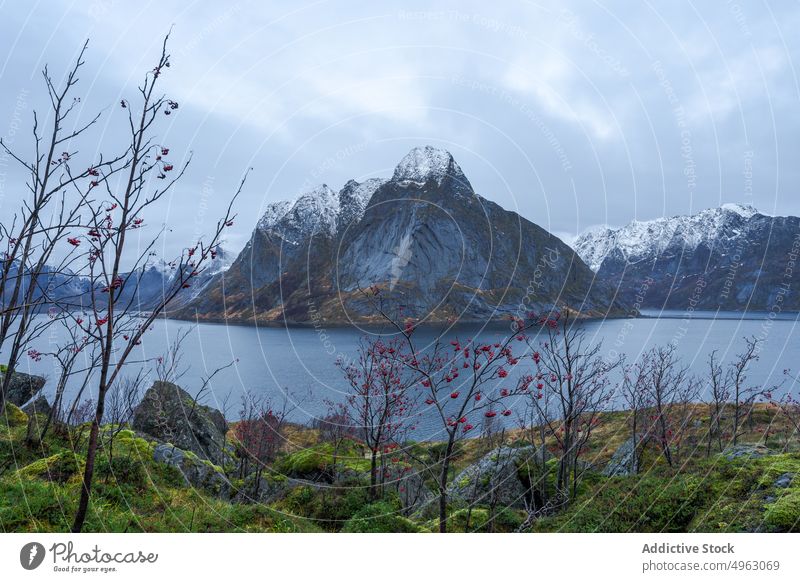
x=143 y=287
x=434 y=248
x=729 y=258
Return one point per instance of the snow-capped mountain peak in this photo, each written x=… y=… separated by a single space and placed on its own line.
x=423 y=164
x=640 y=240
x=323 y=211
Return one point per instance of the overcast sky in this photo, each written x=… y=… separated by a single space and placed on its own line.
x=572 y=113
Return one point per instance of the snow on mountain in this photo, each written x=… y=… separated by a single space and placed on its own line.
x=640 y=240
x=319 y=211
x=353 y=200
x=274 y=213
x=323 y=211
x=311 y=213
x=422 y=164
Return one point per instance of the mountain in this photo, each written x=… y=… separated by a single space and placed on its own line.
x=434 y=248
x=730 y=258
x=158 y=277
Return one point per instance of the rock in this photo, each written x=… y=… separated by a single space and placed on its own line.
x=22 y=387
x=38 y=406
x=263 y=490
x=623 y=461
x=197 y=472
x=494 y=478
x=784 y=480
x=169 y=413
x=746 y=451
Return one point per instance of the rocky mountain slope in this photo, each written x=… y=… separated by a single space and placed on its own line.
x=731 y=258
x=434 y=247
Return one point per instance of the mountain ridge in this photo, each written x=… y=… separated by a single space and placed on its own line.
x=732 y=257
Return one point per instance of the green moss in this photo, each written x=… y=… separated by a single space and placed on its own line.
x=482 y=520
x=774 y=467
x=380 y=517
x=14 y=415
x=639 y=504
x=59 y=468
x=329 y=508
x=33 y=505
x=784 y=514
x=128 y=443
x=122 y=471
x=307 y=461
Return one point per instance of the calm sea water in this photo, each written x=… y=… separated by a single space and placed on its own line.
x=268 y=361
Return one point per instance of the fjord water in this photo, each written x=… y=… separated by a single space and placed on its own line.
x=268 y=360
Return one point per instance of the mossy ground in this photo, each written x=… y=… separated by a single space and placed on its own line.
x=39 y=487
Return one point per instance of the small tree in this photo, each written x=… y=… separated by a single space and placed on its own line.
x=335 y=427
x=121 y=402
x=379 y=402
x=463 y=385
x=637 y=401
x=114 y=214
x=743 y=396
x=578 y=379
x=259 y=435
x=719 y=393
x=37 y=265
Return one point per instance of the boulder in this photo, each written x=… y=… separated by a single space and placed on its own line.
x=22 y=387
x=494 y=478
x=784 y=481
x=413 y=491
x=623 y=461
x=168 y=413
x=197 y=472
x=746 y=451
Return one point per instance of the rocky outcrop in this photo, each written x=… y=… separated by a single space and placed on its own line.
x=623 y=461
x=22 y=387
x=170 y=414
x=196 y=472
x=425 y=238
x=495 y=478
x=747 y=451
